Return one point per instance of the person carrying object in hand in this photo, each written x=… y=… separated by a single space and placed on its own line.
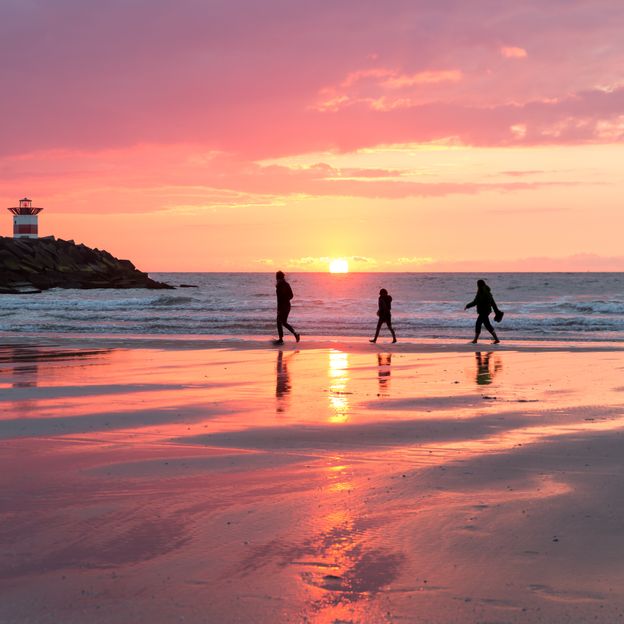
x=484 y=301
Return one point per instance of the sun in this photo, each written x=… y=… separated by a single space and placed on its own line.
x=338 y=265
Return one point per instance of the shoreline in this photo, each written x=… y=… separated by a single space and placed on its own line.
x=350 y=344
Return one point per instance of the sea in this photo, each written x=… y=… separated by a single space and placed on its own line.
x=537 y=306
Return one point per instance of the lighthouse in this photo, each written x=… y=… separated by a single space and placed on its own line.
x=25 y=219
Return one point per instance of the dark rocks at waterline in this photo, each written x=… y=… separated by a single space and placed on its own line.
x=32 y=265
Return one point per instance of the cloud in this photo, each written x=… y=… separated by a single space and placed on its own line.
x=321 y=263
x=513 y=52
x=575 y=262
x=518 y=131
x=309 y=262
x=521 y=174
x=376 y=87
x=589 y=116
x=414 y=261
x=400 y=81
x=580 y=262
x=183 y=179
x=260 y=81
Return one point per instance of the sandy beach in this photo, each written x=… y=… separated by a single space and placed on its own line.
x=333 y=482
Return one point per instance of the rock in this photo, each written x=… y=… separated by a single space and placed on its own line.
x=33 y=265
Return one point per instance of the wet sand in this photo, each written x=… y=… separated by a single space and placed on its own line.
x=340 y=482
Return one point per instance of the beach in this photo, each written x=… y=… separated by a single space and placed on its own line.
x=311 y=312
x=227 y=480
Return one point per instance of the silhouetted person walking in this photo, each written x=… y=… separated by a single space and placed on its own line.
x=284 y=295
x=385 y=314
x=485 y=303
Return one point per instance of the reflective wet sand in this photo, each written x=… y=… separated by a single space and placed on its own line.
x=325 y=484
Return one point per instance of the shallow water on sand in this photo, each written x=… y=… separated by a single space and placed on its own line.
x=319 y=485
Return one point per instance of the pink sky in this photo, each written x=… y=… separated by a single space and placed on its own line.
x=404 y=135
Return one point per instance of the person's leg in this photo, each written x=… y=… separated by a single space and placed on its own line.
x=379 y=322
x=280 y=330
x=489 y=327
x=478 y=328
x=389 y=324
x=287 y=325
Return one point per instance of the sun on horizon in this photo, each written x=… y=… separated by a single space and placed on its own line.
x=338 y=265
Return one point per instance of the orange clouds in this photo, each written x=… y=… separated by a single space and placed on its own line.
x=513 y=52
x=371 y=86
x=186 y=180
x=399 y=81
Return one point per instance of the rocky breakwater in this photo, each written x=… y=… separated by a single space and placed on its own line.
x=30 y=265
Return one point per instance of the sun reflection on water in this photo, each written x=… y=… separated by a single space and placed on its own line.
x=338 y=372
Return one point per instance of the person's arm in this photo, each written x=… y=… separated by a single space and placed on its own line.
x=494 y=306
x=383 y=307
x=289 y=292
x=472 y=304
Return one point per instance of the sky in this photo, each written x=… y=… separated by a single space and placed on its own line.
x=238 y=135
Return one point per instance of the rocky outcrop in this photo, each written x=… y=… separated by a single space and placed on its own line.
x=31 y=265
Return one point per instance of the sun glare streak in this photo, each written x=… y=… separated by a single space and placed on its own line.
x=338 y=265
x=338 y=374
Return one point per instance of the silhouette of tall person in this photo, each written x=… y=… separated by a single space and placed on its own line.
x=384 y=312
x=284 y=295
x=485 y=304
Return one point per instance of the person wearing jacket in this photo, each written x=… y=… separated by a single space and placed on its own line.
x=484 y=301
x=284 y=295
x=385 y=314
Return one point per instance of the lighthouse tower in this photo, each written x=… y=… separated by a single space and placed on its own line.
x=25 y=220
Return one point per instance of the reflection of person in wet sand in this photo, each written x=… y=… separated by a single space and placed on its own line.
x=485 y=373
x=24 y=365
x=384 y=360
x=282 y=379
x=385 y=314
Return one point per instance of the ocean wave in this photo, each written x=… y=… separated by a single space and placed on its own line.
x=171 y=300
x=424 y=306
x=594 y=307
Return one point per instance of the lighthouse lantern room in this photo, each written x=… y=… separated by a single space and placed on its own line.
x=25 y=219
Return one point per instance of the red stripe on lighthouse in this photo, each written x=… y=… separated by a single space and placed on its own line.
x=25 y=228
